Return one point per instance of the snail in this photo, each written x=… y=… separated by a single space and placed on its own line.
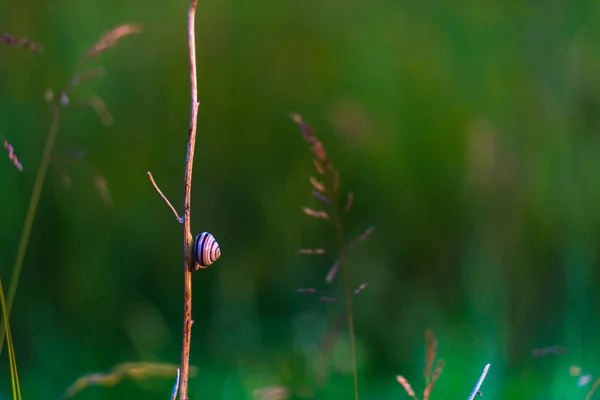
x=206 y=249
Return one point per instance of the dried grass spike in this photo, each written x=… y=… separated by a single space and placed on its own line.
x=320 y=197
x=316 y=184
x=272 y=393
x=100 y=108
x=336 y=180
x=430 y=354
x=305 y=129
x=311 y=251
x=319 y=167
x=25 y=43
x=309 y=290
x=111 y=38
x=327 y=299
x=436 y=375
x=315 y=214
x=12 y=156
x=132 y=370
x=349 y=201
x=332 y=272
x=86 y=76
x=360 y=288
x=307 y=132
x=409 y=390
x=102 y=187
x=362 y=237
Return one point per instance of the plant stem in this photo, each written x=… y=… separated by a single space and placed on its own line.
x=31 y=212
x=347 y=288
x=188 y=241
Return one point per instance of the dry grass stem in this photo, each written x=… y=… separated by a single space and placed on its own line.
x=12 y=360
x=160 y=193
x=593 y=389
x=479 y=382
x=25 y=43
x=188 y=240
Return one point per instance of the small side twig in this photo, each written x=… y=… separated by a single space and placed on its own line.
x=479 y=382
x=160 y=193
x=174 y=392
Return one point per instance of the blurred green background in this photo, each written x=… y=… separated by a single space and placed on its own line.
x=469 y=134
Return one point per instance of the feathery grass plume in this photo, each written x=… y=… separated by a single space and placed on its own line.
x=272 y=393
x=430 y=354
x=326 y=190
x=544 y=351
x=436 y=374
x=409 y=390
x=12 y=156
x=430 y=358
x=12 y=361
x=132 y=370
x=57 y=103
x=111 y=38
x=25 y=43
x=102 y=187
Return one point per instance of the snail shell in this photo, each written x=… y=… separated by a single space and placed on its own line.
x=206 y=249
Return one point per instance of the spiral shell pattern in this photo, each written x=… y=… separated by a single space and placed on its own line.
x=206 y=249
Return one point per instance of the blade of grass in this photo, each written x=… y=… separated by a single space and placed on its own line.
x=31 y=212
x=14 y=375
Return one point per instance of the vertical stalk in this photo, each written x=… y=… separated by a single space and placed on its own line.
x=31 y=212
x=188 y=241
x=347 y=288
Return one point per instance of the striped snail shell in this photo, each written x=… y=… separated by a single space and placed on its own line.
x=206 y=249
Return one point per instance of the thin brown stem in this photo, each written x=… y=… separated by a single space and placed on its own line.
x=160 y=193
x=31 y=212
x=347 y=288
x=188 y=241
